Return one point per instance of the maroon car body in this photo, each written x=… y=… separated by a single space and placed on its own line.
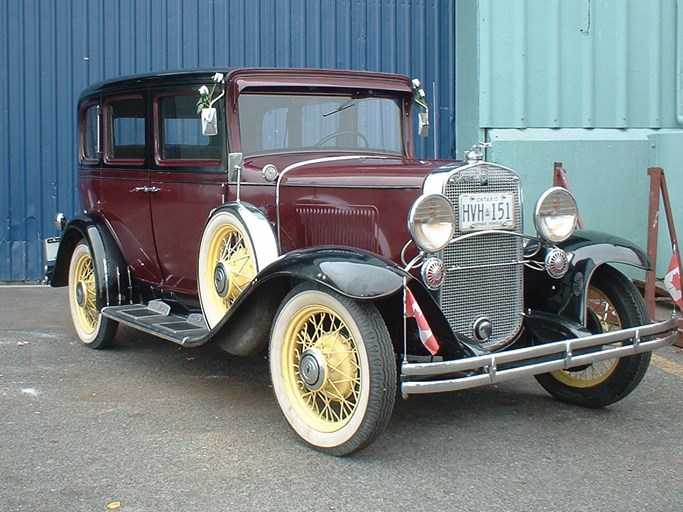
x=286 y=210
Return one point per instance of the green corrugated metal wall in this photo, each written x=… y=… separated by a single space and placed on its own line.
x=595 y=84
x=578 y=63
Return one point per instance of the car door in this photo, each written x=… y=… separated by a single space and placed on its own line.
x=188 y=181
x=125 y=183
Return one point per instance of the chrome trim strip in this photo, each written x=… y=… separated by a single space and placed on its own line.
x=563 y=353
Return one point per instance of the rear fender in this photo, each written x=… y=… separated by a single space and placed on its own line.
x=111 y=270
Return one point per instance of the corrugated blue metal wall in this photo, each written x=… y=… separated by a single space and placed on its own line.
x=51 y=50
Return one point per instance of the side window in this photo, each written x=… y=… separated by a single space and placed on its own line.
x=89 y=133
x=179 y=129
x=125 y=137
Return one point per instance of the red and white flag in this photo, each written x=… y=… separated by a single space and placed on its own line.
x=672 y=281
x=426 y=335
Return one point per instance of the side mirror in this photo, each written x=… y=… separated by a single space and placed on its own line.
x=235 y=162
x=423 y=124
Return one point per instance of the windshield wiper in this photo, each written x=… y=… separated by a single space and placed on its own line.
x=347 y=104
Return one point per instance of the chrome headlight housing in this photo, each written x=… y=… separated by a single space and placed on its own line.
x=556 y=214
x=431 y=222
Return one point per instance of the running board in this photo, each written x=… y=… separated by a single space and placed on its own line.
x=157 y=318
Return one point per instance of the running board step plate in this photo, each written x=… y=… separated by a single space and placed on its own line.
x=157 y=318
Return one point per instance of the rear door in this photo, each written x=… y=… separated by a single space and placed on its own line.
x=125 y=183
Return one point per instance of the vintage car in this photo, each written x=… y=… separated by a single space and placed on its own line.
x=285 y=211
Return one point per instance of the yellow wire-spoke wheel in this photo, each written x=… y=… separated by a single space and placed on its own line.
x=85 y=294
x=226 y=265
x=613 y=304
x=606 y=315
x=92 y=328
x=333 y=368
x=320 y=367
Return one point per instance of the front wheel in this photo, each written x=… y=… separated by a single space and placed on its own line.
x=92 y=328
x=613 y=304
x=333 y=369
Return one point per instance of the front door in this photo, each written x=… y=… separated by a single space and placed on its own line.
x=187 y=181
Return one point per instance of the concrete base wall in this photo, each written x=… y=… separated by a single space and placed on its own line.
x=607 y=172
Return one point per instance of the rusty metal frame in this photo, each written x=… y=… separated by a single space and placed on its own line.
x=659 y=189
x=560 y=179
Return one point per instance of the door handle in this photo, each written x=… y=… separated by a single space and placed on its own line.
x=146 y=189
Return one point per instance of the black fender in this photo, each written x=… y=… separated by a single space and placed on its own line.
x=357 y=274
x=547 y=327
x=354 y=273
x=111 y=270
x=588 y=250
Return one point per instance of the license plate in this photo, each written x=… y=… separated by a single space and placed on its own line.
x=486 y=211
x=51 y=245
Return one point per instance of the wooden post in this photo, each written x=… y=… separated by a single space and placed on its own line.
x=655 y=174
x=659 y=189
x=560 y=180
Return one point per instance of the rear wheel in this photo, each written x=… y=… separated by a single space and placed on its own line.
x=93 y=329
x=333 y=369
x=613 y=304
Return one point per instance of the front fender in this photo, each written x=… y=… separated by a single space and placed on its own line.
x=353 y=273
x=589 y=250
x=111 y=271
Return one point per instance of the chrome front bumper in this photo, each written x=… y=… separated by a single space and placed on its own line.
x=471 y=372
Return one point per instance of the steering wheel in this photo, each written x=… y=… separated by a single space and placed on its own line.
x=339 y=133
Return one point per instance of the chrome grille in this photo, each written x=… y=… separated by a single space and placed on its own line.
x=484 y=273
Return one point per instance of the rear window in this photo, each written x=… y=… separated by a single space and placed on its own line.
x=89 y=128
x=126 y=130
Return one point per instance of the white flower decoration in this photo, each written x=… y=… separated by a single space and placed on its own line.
x=206 y=99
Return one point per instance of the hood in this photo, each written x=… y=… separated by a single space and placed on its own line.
x=348 y=170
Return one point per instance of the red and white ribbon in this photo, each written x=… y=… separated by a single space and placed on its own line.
x=672 y=281
x=426 y=335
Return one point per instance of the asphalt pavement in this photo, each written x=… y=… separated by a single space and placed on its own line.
x=150 y=426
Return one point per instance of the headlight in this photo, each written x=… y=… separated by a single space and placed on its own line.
x=432 y=222
x=555 y=214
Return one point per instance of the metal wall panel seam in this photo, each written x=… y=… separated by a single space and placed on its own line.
x=588 y=74
x=5 y=210
x=655 y=59
x=555 y=92
x=521 y=76
x=17 y=187
x=485 y=61
x=679 y=62
x=622 y=85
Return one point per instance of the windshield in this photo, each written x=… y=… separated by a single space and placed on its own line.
x=271 y=123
